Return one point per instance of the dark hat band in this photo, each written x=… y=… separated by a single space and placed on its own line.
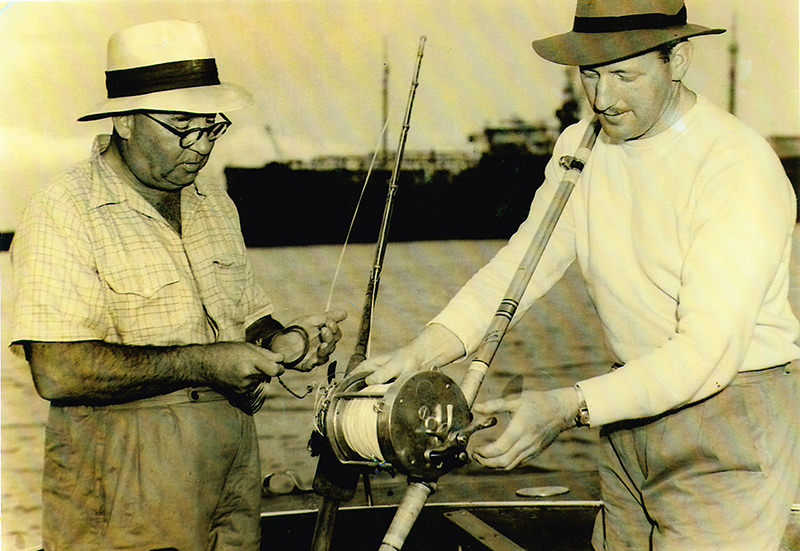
x=161 y=77
x=629 y=22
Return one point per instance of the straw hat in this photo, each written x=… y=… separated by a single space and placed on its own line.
x=610 y=30
x=165 y=66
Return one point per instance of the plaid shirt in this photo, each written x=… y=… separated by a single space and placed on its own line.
x=95 y=261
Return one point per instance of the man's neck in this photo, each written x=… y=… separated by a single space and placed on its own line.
x=683 y=100
x=167 y=203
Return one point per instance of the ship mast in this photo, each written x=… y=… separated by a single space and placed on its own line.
x=733 y=50
x=385 y=117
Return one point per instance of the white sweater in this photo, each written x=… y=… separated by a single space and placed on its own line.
x=684 y=242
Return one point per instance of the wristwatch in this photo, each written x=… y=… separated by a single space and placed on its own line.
x=582 y=418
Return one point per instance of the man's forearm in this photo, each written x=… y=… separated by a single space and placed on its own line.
x=88 y=372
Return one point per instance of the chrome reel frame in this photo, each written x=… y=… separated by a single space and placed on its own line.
x=423 y=423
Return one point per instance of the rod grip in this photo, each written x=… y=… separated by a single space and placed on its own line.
x=407 y=512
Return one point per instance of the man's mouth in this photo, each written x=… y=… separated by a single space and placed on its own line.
x=192 y=166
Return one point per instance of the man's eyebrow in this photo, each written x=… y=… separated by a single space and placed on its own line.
x=183 y=117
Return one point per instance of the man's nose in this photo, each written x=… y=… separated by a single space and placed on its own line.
x=203 y=146
x=604 y=95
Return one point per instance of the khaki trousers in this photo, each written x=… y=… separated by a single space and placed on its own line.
x=176 y=471
x=720 y=474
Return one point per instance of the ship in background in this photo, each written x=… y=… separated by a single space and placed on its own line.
x=482 y=194
x=440 y=195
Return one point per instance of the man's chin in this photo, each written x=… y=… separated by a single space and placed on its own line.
x=613 y=131
x=618 y=132
x=184 y=180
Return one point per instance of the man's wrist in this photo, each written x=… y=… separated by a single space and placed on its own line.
x=260 y=331
x=436 y=346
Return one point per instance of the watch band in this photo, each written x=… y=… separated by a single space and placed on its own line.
x=582 y=418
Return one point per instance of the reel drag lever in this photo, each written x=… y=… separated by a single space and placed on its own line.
x=453 y=452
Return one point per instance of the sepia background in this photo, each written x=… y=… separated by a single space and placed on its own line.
x=316 y=68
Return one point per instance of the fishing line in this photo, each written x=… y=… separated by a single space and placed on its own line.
x=355 y=213
x=359 y=423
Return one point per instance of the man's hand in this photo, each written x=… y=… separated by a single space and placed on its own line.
x=538 y=417
x=238 y=367
x=385 y=367
x=323 y=334
x=435 y=346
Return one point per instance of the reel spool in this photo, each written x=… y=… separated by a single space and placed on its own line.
x=418 y=425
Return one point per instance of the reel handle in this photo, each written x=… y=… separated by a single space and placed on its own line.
x=453 y=453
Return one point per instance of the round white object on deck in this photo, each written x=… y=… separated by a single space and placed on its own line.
x=542 y=491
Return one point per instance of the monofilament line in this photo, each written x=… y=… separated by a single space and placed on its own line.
x=355 y=213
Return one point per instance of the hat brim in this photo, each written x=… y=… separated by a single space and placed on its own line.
x=584 y=49
x=202 y=99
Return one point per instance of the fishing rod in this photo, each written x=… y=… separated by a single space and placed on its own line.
x=360 y=352
x=334 y=480
x=420 y=424
x=419 y=489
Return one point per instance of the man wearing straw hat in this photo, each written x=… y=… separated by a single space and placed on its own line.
x=135 y=299
x=681 y=224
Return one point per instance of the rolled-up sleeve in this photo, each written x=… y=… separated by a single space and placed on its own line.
x=59 y=295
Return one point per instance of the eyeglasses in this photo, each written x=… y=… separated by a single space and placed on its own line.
x=191 y=136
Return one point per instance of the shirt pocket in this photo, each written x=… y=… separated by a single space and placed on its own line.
x=230 y=276
x=148 y=301
x=141 y=281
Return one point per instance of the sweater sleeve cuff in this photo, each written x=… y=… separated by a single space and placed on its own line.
x=602 y=393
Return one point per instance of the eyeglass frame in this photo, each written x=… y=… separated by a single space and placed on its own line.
x=182 y=134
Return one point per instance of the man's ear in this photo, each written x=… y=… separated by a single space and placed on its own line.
x=123 y=124
x=680 y=58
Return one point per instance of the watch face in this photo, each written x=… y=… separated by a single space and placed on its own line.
x=582 y=419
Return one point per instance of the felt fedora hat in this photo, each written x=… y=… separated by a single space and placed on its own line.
x=611 y=30
x=165 y=66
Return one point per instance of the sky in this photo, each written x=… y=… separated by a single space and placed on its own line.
x=316 y=68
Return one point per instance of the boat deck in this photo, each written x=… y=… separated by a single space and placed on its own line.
x=472 y=509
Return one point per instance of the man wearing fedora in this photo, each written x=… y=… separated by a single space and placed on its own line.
x=135 y=301
x=681 y=224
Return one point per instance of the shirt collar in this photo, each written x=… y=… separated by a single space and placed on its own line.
x=109 y=188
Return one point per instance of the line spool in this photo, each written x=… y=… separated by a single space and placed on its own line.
x=395 y=425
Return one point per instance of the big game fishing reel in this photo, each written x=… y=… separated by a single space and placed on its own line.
x=418 y=425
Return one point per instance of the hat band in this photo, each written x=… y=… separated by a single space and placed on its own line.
x=161 y=77
x=628 y=22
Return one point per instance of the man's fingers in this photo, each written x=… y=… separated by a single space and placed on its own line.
x=326 y=349
x=331 y=318
x=269 y=362
x=265 y=354
x=379 y=376
x=497 y=448
x=325 y=334
x=336 y=314
x=497 y=405
x=371 y=365
x=506 y=452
